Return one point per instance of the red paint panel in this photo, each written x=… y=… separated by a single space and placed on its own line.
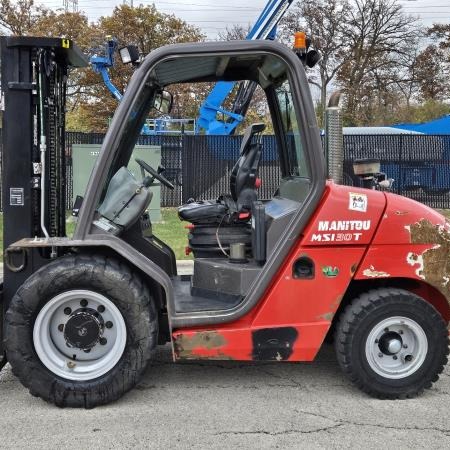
x=237 y=343
x=400 y=213
x=292 y=300
x=346 y=216
x=393 y=261
x=308 y=305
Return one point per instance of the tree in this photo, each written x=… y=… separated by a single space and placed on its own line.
x=378 y=33
x=90 y=104
x=440 y=32
x=432 y=74
x=18 y=17
x=234 y=32
x=147 y=28
x=433 y=64
x=324 y=21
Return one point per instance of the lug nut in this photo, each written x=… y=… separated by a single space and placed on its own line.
x=67 y=311
x=395 y=357
x=108 y=324
x=376 y=341
x=405 y=345
x=84 y=303
x=103 y=341
x=101 y=309
x=386 y=329
x=87 y=350
x=408 y=358
x=380 y=355
x=61 y=327
x=400 y=331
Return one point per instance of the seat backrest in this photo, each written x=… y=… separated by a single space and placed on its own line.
x=125 y=199
x=243 y=174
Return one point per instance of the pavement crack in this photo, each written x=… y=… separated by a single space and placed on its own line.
x=283 y=432
x=292 y=382
x=374 y=425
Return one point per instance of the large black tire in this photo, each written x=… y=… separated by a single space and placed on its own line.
x=372 y=309
x=104 y=276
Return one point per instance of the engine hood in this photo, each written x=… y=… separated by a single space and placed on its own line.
x=346 y=216
x=406 y=221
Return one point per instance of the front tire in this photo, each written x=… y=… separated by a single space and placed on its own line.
x=80 y=331
x=391 y=343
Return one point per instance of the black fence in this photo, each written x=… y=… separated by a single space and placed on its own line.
x=419 y=164
x=199 y=166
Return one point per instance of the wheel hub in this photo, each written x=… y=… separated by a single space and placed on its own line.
x=390 y=343
x=79 y=334
x=83 y=329
x=396 y=347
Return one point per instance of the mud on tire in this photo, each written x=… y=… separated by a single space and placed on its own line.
x=107 y=277
x=372 y=339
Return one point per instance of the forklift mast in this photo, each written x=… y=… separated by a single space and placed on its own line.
x=34 y=85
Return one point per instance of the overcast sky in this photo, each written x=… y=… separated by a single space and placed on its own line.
x=213 y=16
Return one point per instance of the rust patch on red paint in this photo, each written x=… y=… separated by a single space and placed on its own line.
x=201 y=345
x=353 y=268
x=372 y=273
x=401 y=213
x=330 y=315
x=433 y=265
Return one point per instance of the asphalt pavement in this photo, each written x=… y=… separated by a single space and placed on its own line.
x=228 y=405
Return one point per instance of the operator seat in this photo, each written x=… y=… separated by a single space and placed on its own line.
x=243 y=185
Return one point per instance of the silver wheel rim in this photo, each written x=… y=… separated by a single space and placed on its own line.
x=396 y=347
x=55 y=331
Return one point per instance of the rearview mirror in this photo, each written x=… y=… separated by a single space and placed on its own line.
x=163 y=102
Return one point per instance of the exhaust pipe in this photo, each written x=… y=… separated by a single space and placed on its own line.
x=334 y=141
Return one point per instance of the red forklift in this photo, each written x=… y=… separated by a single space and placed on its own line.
x=272 y=278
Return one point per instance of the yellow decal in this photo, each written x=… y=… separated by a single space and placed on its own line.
x=65 y=43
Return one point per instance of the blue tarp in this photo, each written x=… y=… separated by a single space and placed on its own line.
x=437 y=126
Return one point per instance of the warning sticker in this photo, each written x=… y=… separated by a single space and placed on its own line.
x=16 y=197
x=357 y=202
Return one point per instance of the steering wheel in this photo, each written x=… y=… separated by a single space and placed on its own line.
x=155 y=174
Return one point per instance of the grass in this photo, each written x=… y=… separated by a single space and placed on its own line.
x=170 y=230
x=445 y=212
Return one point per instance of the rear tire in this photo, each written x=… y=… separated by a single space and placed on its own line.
x=80 y=331
x=391 y=343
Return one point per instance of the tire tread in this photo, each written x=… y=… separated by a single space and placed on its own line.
x=366 y=304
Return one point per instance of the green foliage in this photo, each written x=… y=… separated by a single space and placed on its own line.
x=421 y=113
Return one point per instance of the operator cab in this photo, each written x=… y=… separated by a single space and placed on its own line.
x=233 y=236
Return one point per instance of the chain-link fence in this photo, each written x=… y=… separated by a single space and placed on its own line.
x=199 y=166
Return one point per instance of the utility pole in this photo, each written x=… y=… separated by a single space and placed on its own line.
x=70 y=5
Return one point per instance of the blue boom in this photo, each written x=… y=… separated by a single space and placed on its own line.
x=264 y=28
x=101 y=64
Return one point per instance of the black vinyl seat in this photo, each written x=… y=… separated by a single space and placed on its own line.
x=242 y=186
x=207 y=211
